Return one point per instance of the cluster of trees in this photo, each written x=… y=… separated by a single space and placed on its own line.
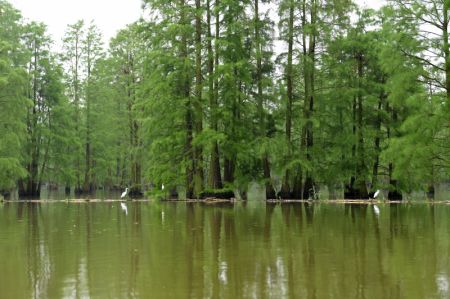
x=340 y=97
x=66 y=118
x=31 y=101
x=207 y=96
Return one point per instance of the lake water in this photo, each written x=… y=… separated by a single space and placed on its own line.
x=241 y=250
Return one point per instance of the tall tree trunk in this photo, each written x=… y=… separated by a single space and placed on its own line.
x=357 y=188
x=285 y=189
x=198 y=151
x=297 y=187
x=228 y=173
x=394 y=192
x=377 y=142
x=87 y=187
x=309 y=49
x=270 y=192
x=31 y=186
x=230 y=160
x=361 y=164
x=350 y=192
x=446 y=51
x=131 y=129
x=35 y=139
x=185 y=93
x=46 y=155
x=87 y=174
x=77 y=114
x=214 y=180
x=135 y=188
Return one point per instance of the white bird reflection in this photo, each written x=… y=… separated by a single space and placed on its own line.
x=442 y=284
x=376 y=210
x=124 y=207
x=223 y=277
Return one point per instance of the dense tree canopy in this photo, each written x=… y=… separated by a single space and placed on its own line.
x=12 y=97
x=208 y=96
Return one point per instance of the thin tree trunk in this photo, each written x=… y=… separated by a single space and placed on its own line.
x=87 y=174
x=394 y=192
x=215 y=180
x=377 y=142
x=308 y=108
x=230 y=161
x=35 y=144
x=285 y=189
x=77 y=116
x=45 y=160
x=198 y=151
x=135 y=188
x=270 y=192
x=33 y=166
x=446 y=52
x=361 y=165
x=185 y=90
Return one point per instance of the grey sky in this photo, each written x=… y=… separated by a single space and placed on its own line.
x=108 y=15
x=371 y=3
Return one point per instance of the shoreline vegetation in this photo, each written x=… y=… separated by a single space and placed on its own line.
x=233 y=201
x=210 y=96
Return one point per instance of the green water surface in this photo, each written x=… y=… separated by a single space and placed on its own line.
x=241 y=250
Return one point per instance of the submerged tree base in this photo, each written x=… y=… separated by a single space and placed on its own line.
x=217 y=194
x=395 y=195
x=230 y=201
x=354 y=193
x=135 y=193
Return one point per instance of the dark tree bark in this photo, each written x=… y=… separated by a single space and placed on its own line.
x=285 y=188
x=215 y=179
x=309 y=58
x=357 y=188
x=394 y=192
x=87 y=186
x=361 y=163
x=270 y=192
x=185 y=93
x=377 y=141
x=198 y=119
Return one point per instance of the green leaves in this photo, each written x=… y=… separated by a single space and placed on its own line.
x=360 y=99
x=12 y=101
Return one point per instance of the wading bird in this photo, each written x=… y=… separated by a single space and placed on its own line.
x=376 y=194
x=124 y=207
x=162 y=187
x=124 y=193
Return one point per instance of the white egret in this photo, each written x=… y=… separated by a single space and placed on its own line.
x=162 y=186
x=124 y=207
x=124 y=193
x=376 y=194
x=376 y=210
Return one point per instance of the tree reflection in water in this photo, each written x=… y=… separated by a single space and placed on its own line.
x=276 y=250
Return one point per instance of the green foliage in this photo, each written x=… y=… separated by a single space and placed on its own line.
x=355 y=98
x=12 y=101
